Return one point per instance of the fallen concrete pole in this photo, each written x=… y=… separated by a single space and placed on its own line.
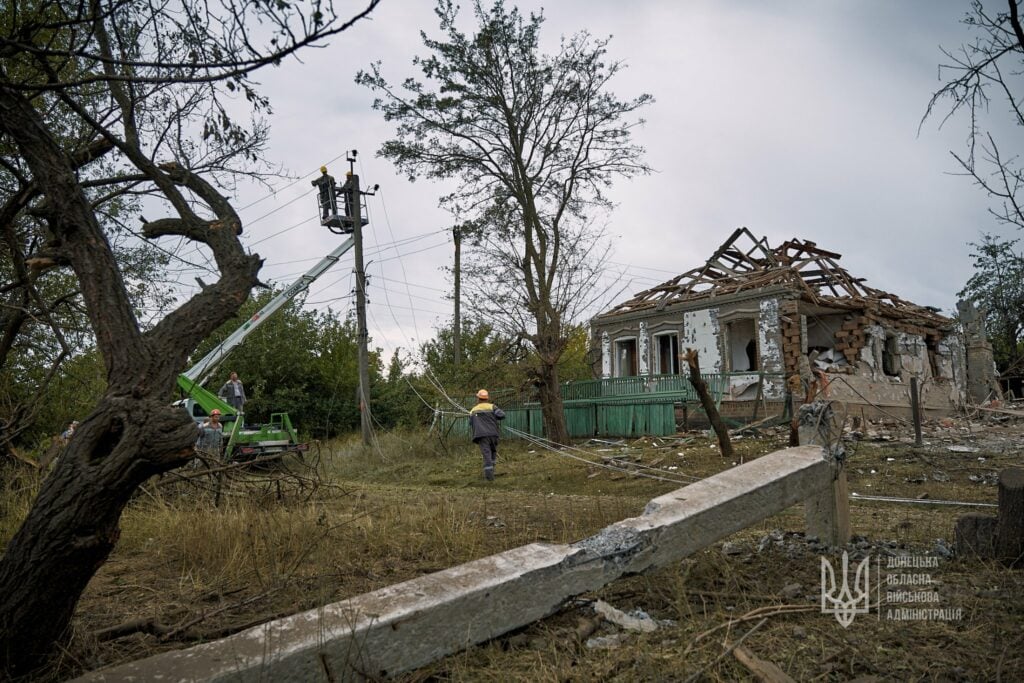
x=411 y=624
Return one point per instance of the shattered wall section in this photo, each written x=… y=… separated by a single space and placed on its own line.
x=913 y=353
x=871 y=352
x=951 y=362
x=981 y=374
x=701 y=332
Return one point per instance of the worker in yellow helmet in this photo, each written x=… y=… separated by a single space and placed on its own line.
x=483 y=422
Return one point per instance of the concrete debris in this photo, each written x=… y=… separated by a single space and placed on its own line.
x=962 y=449
x=791 y=591
x=638 y=620
x=606 y=642
x=730 y=548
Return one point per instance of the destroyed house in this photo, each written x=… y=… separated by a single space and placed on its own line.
x=765 y=318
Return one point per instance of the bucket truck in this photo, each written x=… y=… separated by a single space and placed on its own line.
x=248 y=441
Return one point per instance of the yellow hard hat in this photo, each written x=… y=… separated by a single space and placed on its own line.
x=483 y=395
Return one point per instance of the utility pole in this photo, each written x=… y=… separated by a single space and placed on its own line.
x=353 y=208
x=343 y=220
x=457 y=324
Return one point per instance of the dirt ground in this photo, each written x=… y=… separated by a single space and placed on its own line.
x=188 y=571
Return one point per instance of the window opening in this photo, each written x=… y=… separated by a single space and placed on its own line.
x=742 y=342
x=626 y=358
x=668 y=354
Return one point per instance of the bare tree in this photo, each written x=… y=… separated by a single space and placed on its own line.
x=977 y=75
x=534 y=140
x=110 y=98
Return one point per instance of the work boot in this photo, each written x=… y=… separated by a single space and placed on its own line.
x=489 y=473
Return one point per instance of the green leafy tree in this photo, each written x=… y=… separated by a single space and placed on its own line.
x=576 y=363
x=399 y=400
x=998 y=287
x=489 y=359
x=533 y=140
x=301 y=362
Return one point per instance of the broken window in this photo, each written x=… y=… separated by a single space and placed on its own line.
x=821 y=331
x=821 y=340
x=742 y=341
x=626 y=358
x=932 y=345
x=667 y=357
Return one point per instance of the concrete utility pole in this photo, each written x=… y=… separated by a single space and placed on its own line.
x=353 y=206
x=457 y=323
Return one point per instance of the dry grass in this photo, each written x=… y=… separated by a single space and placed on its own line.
x=412 y=505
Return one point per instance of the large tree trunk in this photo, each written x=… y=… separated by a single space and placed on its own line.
x=551 y=404
x=132 y=433
x=73 y=524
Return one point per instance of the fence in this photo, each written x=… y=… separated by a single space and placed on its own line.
x=615 y=406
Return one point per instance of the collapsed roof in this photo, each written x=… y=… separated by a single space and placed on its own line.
x=745 y=262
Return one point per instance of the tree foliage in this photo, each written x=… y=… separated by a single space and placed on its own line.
x=534 y=140
x=299 y=361
x=998 y=287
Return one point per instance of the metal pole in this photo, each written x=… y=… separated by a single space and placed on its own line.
x=363 y=333
x=915 y=409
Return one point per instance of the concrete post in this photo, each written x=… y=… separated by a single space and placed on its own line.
x=408 y=625
x=827 y=510
x=915 y=409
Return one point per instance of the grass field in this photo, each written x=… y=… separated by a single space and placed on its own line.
x=413 y=505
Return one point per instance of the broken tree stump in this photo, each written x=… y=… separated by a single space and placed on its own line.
x=708 y=403
x=1009 y=536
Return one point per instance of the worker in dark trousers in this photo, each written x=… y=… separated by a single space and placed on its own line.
x=483 y=421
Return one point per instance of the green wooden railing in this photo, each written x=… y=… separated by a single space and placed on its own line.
x=677 y=385
x=615 y=406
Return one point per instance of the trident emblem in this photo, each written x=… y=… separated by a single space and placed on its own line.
x=844 y=603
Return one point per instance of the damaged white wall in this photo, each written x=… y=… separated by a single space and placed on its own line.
x=644 y=350
x=701 y=332
x=606 y=356
x=769 y=342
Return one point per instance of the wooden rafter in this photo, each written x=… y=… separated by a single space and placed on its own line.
x=744 y=262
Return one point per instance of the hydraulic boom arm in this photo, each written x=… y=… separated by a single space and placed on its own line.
x=199 y=372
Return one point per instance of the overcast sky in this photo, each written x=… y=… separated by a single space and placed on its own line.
x=795 y=119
